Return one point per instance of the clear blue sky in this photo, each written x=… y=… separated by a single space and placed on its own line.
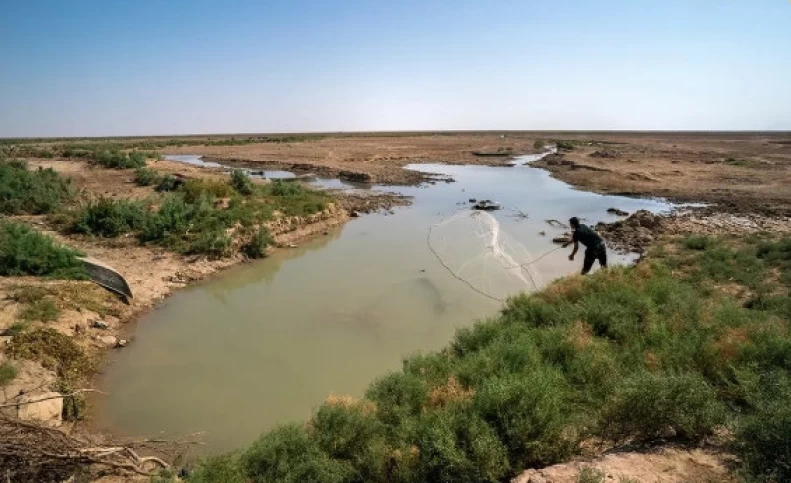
x=111 y=67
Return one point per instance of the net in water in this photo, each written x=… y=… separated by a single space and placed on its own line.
x=472 y=246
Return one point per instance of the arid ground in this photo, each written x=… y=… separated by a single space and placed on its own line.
x=738 y=174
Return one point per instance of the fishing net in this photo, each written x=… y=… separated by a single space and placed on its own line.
x=472 y=246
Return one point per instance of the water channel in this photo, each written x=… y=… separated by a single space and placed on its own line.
x=266 y=342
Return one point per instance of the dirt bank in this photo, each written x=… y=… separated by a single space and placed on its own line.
x=740 y=173
x=371 y=158
x=91 y=319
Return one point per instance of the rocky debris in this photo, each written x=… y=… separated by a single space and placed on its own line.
x=617 y=212
x=554 y=160
x=633 y=233
x=668 y=464
x=122 y=343
x=354 y=176
x=707 y=221
x=605 y=153
x=107 y=340
x=100 y=324
x=363 y=202
x=560 y=160
x=46 y=407
x=354 y=214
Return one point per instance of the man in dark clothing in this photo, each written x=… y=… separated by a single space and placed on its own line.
x=594 y=245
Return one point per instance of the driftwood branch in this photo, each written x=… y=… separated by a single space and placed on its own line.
x=33 y=452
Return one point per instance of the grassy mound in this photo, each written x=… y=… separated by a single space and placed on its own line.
x=31 y=192
x=24 y=251
x=201 y=216
x=627 y=355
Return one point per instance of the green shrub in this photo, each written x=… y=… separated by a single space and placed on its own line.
x=456 y=445
x=697 y=242
x=42 y=310
x=648 y=404
x=167 y=183
x=224 y=468
x=539 y=144
x=119 y=160
x=399 y=398
x=763 y=436
x=530 y=413
x=256 y=246
x=351 y=433
x=24 y=251
x=242 y=183
x=8 y=373
x=289 y=455
x=564 y=145
x=146 y=176
x=33 y=192
x=197 y=188
x=109 y=218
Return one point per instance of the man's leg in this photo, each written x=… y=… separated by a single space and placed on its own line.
x=603 y=256
x=590 y=257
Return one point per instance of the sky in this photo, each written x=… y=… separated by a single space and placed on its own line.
x=112 y=67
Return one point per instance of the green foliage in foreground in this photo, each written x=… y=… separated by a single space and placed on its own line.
x=7 y=373
x=31 y=192
x=24 y=251
x=109 y=218
x=627 y=355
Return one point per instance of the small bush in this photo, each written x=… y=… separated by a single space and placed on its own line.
x=648 y=404
x=225 y=469
x=167 y=183
x=242 y=183
x=457 y=445
x=42 y=310
x=146 y=176
x=697 y=242
x=119 y=159
x=349 y=431
x=539 y=144
x=529 y=413
x=256 y=246
x=109 y=218
x=564 y=145
x=288 y=454
x=195 y=189
x=24 y=251
x=7 y=373
x=33 y=192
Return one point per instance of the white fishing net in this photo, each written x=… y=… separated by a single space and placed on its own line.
x=472 y=246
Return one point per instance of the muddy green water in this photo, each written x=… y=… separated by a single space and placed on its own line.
x=265 y=343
